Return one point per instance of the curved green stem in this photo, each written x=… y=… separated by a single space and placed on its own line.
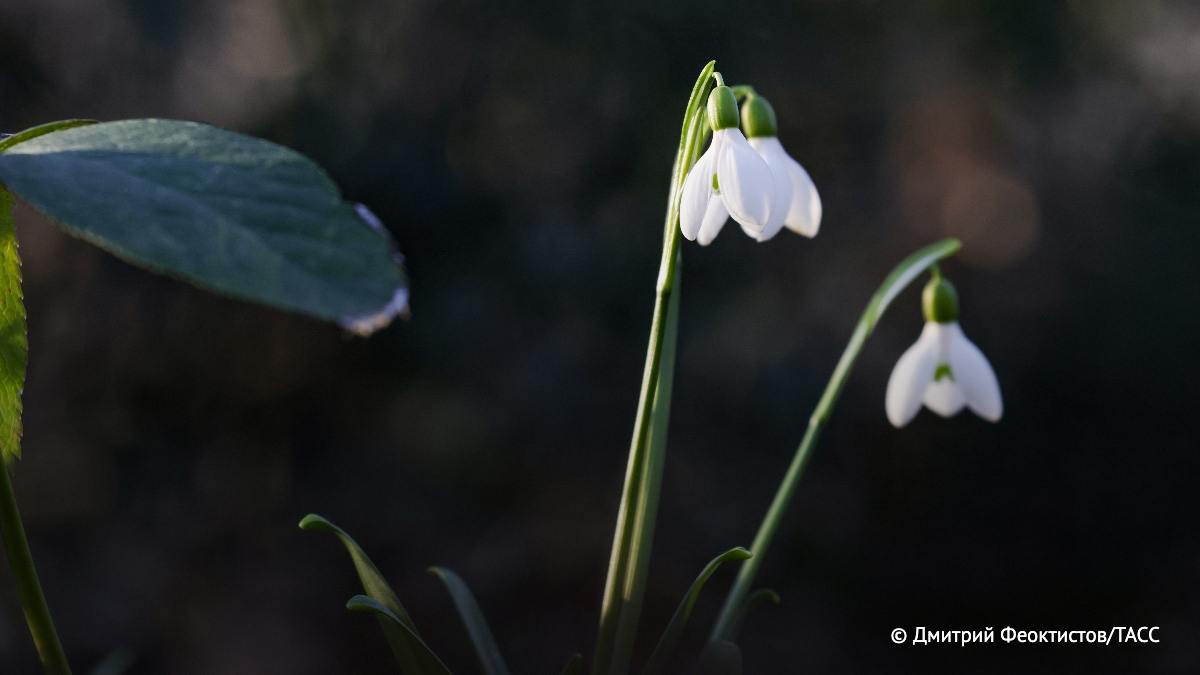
x=29 y=589
x=897 y=281
x=630 y=559
x=742 y=91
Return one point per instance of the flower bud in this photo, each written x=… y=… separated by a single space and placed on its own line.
x=722 y=109
x=939 y=301
x=758 y=118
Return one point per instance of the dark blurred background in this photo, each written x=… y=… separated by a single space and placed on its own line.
x=520 y=153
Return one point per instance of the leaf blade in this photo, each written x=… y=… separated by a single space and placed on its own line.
x=408 y=653
x=472 y=617
x=227 y=212
x=405 y=643
x=674 y=630
x=14 y=343
x=41 y=130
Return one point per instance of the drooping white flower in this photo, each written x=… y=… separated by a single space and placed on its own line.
x=943 y=370
x=801 y=205
x=802 y=209
x=729 y=179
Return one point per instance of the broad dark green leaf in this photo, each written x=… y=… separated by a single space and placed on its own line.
x=225 y=211
x=574 y=665
x=408 y=653
x=472 y=617
x=41 y=130
x=407 y=646
x=670 y=637
x=14 y=347
x=720 y=657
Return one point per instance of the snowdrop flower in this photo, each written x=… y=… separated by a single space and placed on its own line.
x=729 y=179
x=799 y=205
x=944 y=370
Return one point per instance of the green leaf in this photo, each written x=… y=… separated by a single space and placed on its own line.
x=629 y=561
x=670 y=637
x=406 y=645
x=720 y=657
x=41 y=130
x=409 y=653
x=14 y=346
x=755 y=598
x=227 y=212
x=574 y=665
x=477 y=626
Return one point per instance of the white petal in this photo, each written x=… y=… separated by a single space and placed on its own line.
x=944 y=397
x=745 y=181
x=804 y=214
x=974 y=376
x=778 y=161
x=714 y=219
x=697 y=191
x=912 y=376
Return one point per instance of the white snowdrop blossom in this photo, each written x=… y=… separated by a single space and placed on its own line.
x=729 y=179
x=801 y=205
x=943 y=370
x=797 y=204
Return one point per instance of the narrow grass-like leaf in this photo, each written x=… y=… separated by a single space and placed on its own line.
x=758 y=597
x=406 y=645
x=14 y=346
x=670 y=637
x=629 y=560
x=372 y=581
x=408 y=653
x=41 y=130
x=574 y=665
x=472 y=617
x=720 y=657
x=227 y=212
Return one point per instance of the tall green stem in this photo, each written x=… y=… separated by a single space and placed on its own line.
x=629 y=563
x=895 y=282
x=29 y=589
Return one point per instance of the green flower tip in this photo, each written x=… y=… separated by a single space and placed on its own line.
x=722 y=109
x=758 y=118
x=939 y=301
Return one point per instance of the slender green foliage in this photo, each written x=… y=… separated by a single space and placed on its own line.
x=29 y=588
x=629 y=563
x=13 y=356
x=657 y=662
x=478 y=630
x=14 y=346
x=896 y=281
x=397 y=625
x=414 y=656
